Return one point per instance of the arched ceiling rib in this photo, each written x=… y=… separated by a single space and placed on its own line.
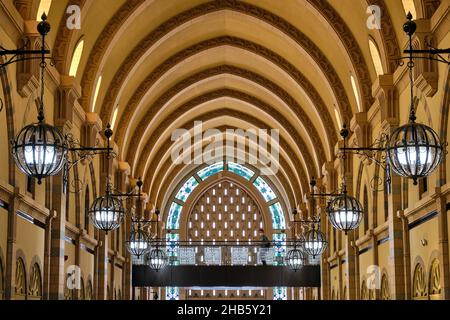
x=169 y=175
x=165 y=149
x=135 y=141
x=181 y=111
x=301 y=79
x=299 y=61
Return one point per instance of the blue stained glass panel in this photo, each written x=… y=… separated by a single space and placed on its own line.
x=172 y=244
x=279 y=293
x=172 y=293
x=278 y=221
x=187 y=189
x=239 y=169
x=265 y=190
x=205 y=173
x=279 y=240
x=173 y=220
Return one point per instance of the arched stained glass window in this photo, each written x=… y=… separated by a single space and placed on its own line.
x=173 y=220
x=76 y=58
x=278 y=220
x=211 y=170
x=266 y=191
x=240 y=170
x=187 y=189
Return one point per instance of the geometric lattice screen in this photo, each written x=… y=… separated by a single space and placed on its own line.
x=225 y=212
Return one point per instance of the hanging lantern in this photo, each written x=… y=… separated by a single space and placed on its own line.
x=295 y=259
x=345 y=212
x=414 y=151
x=107 y=213
x=39 y=150
x=138 y=243
x=157 y=259
x=314 y=242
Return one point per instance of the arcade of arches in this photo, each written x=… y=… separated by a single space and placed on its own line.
x=148 y=68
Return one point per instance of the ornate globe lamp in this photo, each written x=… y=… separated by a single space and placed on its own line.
x=345 y=212
x=314 y=242
x=138 y=243
x=39 y=150
x=107 y=212
x=157 y=259
x=295 y=259
x=414 y=150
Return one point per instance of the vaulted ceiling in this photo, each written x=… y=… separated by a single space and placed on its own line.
x=232 y=64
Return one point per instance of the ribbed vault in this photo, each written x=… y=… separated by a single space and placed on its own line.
x=259 y=64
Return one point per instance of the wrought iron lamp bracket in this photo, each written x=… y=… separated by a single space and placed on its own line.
x=376 y=153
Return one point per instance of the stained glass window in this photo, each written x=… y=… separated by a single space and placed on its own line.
x=278 y=221
x=264 y=188
x=172 y=240
x=210 y=170
x=172 y=293
x=279 y=293
x=173 y=220
x=239 y=169
x=279 y=240
x=187 y=189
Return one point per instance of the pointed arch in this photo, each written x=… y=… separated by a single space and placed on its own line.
x=35 y=287
x=20 y=288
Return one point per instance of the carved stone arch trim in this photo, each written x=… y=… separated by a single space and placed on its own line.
x=21 y=281
x=224 y=69
x=419 y=280
x=224 y=176
x=184 y=108
x=385 y=292
x=152 y=168
x=8 y=109
x=352 y=47
x=435 y=272
x=255 y=48
x=428 y=8
x=35 y=283
x=197 y=11
x=65 y=39
x=391 y=46
x=443 y=130
x=28 y=9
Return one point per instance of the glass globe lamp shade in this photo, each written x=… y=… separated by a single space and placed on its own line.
x=157 y=259
x=295 y=259
x=138 y=243
x=414 y=151
x=39 y=150
x=106 y=213
x=314 y=242
x=345 y=212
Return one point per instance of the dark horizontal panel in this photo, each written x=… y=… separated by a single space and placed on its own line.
x=230 y=276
